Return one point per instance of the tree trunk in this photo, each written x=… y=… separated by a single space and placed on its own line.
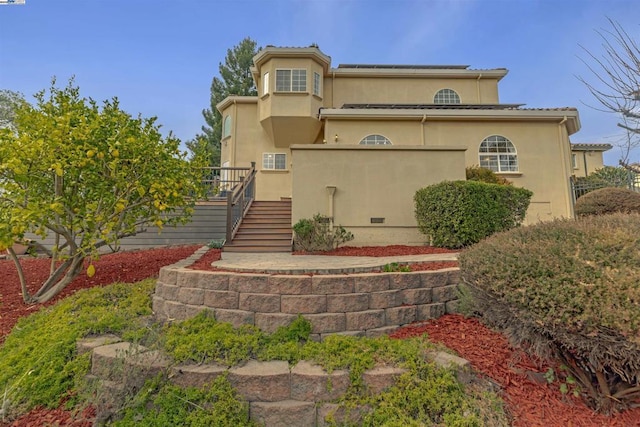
x=53 y=286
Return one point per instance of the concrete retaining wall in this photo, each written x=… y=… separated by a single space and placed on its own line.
x=368 y=304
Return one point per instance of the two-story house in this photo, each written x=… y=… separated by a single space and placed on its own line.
x=355 y=142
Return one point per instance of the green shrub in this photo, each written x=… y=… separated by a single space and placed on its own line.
x=162 y=404
x=568 y=290
x=477 y=173
x=203 y=339
x=316 y=234
x=608 y=200
x=454 y=214
x=394 y=267
x=38 y=362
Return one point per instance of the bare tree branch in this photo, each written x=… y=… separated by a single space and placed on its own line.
x=615 y=83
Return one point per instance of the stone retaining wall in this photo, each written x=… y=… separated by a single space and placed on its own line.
x=277 y=393
x=368 y=304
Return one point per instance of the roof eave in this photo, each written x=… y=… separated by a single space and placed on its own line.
x=291 y=52
x=570 y=117
x=235 y=99
x=496 y=73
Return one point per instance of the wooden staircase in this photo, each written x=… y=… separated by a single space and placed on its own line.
x=265 y=228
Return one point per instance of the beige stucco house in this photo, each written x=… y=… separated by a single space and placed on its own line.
x=355 y=142
x=587 y=158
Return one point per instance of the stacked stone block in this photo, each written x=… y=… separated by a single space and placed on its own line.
x=356 y=304
x=278 y=394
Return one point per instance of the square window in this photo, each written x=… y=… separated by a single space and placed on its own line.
x=291 y=80
x=274 y=161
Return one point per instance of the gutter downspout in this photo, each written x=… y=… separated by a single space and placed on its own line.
x=333 y=84
x=478 y=87
x=424 y=119
x=234 y=138
x=569 y=200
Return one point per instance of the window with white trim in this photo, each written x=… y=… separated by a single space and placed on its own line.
x=574 y=161
x=316 y=84
x=226 y=126
x=265 y=83
x=274 y=161
x=375 y=140
x=293 y=80
x=498 y=154
x=446 y=96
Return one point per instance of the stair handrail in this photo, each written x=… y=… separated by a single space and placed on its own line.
x=239 y=201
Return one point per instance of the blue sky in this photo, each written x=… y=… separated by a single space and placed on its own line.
x=159 y=56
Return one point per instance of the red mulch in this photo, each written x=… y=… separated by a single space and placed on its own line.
x=380 y=251
x=531 y=401
x=204 y=262
x=128 y=267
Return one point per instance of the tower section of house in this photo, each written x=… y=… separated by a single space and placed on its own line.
x=291 y=85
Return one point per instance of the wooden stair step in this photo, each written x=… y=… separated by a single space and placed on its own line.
x=279 y=221
x=266 y=227
x=264 y=249
x=266 y=237
x=271 y=228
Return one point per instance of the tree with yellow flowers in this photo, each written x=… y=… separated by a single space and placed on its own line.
x=88 y=175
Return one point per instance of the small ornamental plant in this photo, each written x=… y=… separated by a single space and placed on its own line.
x=317 y=234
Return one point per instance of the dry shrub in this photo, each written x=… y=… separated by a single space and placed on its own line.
x=477 y=173
x=608 y=200
x=568 y=290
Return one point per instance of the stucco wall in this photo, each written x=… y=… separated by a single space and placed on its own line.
x=587 y=162
x=247 y=143
x=370 y=182
x=543 y=159
x=384 y=90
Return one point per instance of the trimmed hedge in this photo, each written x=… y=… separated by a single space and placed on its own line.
x=568 y=290
x=454 y=214
x=608 y=200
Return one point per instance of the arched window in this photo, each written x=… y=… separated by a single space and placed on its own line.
x=446 y=96
x=226 y=127
x=498 y=154
x=375 y=140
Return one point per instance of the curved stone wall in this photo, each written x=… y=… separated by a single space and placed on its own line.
x=368 y=304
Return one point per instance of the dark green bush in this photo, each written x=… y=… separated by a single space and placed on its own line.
x=477 y=173
x=454 y=214
x=568 y=290
x=608 y=200
x=316 y=234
